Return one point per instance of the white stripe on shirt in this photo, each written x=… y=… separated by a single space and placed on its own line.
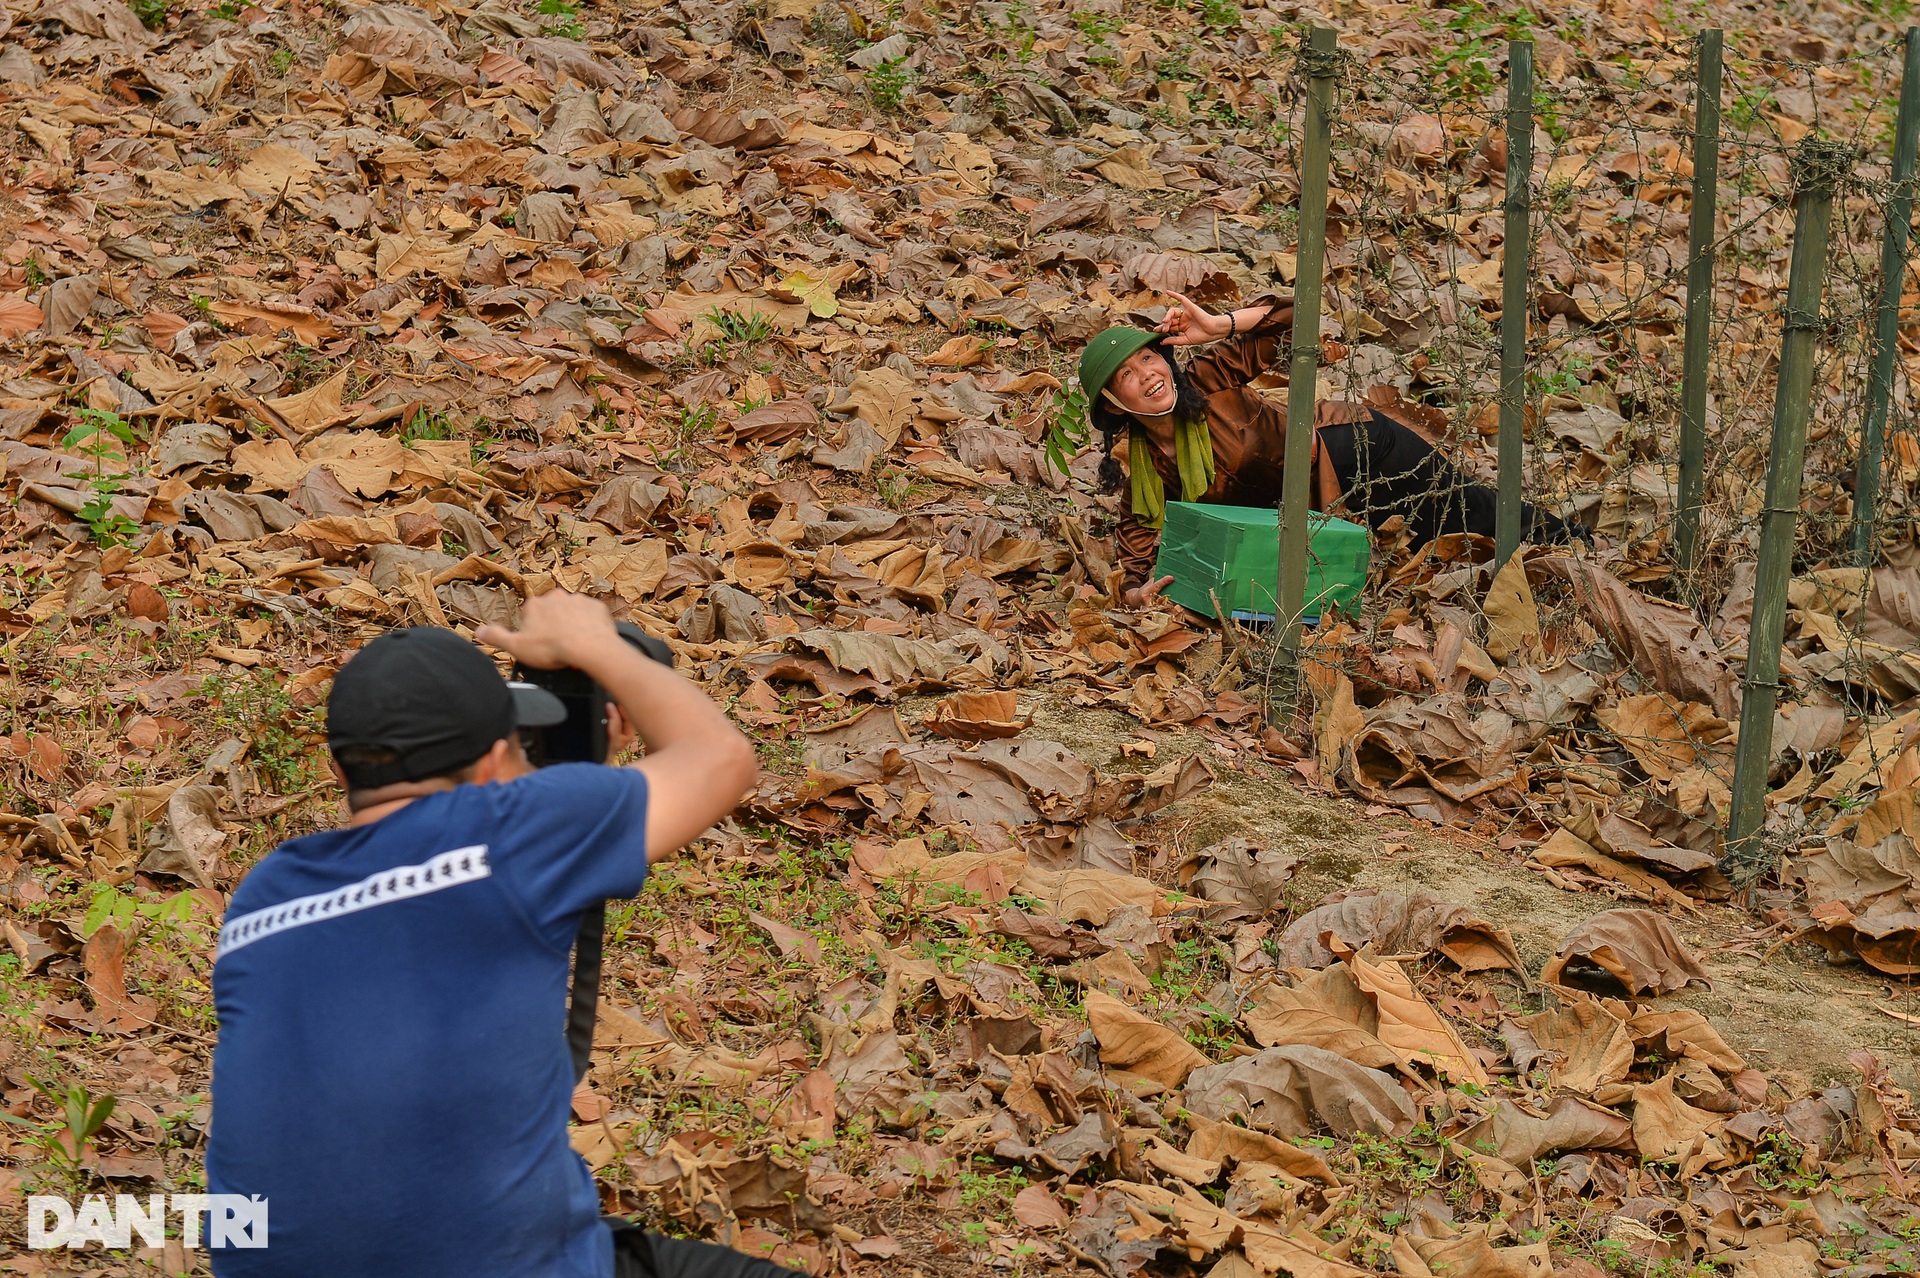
x=449 y=869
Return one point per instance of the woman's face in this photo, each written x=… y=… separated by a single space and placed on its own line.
x=1144 y=384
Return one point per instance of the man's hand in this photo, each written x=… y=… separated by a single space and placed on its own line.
x=1190 y=323
x=555 y=629
x=697 y=764
x=1141 y=596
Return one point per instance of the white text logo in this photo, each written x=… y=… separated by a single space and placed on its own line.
x=233 y=1220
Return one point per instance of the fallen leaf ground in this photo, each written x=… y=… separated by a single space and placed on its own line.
x=1053 y=938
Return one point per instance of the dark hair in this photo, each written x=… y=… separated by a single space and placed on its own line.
x=1189 y=405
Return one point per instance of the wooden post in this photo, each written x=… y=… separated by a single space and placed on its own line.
x=1893 y=278
x=1700 y=248
x=1817 y=167
x=1514 y=296
x=1319 y=59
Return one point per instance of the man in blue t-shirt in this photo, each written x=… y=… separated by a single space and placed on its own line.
x=392 y=1074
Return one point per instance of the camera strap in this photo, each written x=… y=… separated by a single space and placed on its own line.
x=583 y=1001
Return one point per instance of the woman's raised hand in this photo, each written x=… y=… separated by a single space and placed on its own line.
x=1190 y=323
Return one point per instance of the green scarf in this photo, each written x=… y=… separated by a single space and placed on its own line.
x=1193 y=453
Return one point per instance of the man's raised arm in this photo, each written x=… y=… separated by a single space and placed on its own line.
x=698 y=766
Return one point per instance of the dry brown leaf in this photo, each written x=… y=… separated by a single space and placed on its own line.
x=1092 y=896
x=1513 y=619
x=1216 y=1142
x=1325 y=1010
x=1134 y=1042
x=978 y=716
x=1635 y=947
x=18 y=316
x=1665 y=1128
x=1519 y=1138
x=1663 y=641
x=1591 y=1046
x=1282 y=1090
x=1410 y=1025
x=1395 y=923
x=315 y=409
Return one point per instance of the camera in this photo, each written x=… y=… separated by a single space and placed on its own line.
x=582 y=737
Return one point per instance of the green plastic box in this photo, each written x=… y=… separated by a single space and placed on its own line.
x=1234 y=552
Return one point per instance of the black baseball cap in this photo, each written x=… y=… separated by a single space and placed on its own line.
x=432 y=700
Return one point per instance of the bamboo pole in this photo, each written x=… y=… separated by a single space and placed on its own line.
x=1893 y=278
x=1319 y=59
x=1817 y=167
x=1700 y=251
x=1518 y=230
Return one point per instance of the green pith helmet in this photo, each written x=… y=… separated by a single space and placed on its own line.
x=1106 y=353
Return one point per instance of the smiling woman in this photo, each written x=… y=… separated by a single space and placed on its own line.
x=1205 y=429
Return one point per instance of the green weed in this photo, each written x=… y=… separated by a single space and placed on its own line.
x=1749 y=105
x=110 y=905
x=1069 y=428
x=102 y=435
x=887 y=84
x=1220 y=14
x=563 y=19
x=65 y=1142
x=425 y=425
x=746 y=330
x=282 y=734
x=898 y=488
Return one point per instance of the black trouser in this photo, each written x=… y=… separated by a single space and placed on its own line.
x=639 y=1254
x=1385 y=469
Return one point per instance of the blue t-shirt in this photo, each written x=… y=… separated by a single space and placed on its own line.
x=392 y=1071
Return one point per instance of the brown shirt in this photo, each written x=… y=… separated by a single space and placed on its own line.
x=1249 y=434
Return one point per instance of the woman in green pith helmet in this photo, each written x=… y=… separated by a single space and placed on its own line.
x=1206 y=434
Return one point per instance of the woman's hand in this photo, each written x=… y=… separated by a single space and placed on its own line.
x=1190 y=323
x=1142 y=596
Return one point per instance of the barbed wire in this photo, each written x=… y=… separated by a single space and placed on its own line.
x=1416 y=234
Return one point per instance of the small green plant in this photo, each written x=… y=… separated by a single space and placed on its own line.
x=1174 y=66
x=563 y=19
x=101 y=435
x=1095 y=28
x=1068 y=429
x=85 y=1114
x=746 y=330
x=152 y=13
x=226 y=10
x=281 y=61
x=1220 y=14
x=1465 y=68
x=989 y=1190
x=1546 y=109
x=281 y=733
x=1748 y=107
x=887 y=83
x=105 y=525
x=1781 y=1162
x=425 y=425
x=110 y=905
x=896 y=488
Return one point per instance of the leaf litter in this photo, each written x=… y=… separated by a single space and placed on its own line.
x=751 y=320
